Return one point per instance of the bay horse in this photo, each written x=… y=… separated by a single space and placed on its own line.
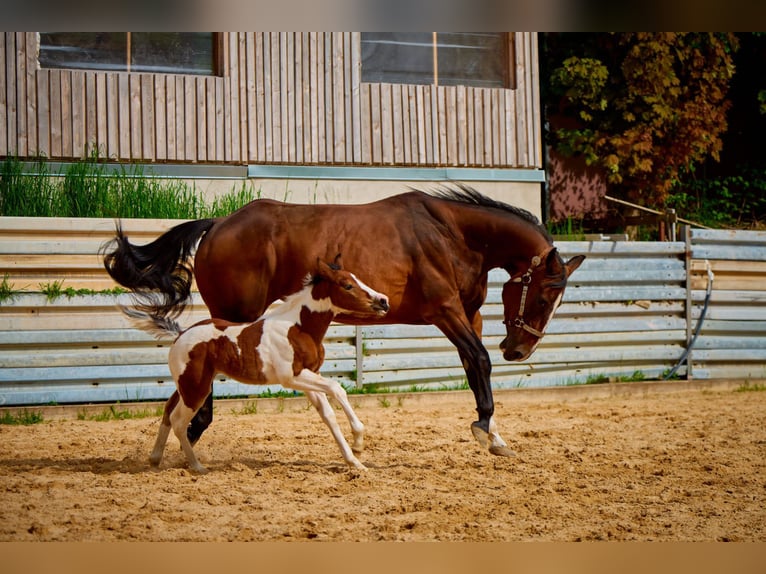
x=283 y=347
x=430 y=252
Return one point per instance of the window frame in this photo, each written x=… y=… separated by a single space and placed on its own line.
x=509 y=46
x=217 y=58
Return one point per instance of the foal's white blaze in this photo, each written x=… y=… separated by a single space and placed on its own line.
x=367 y=289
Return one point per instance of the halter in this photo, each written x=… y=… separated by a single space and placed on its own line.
x=525 y=280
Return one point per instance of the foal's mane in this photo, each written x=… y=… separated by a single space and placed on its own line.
x=461 y=193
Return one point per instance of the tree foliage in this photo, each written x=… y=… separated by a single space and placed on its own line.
x=642 y=106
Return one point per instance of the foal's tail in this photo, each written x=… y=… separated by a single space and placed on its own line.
x=158 y=273
x=160 y=327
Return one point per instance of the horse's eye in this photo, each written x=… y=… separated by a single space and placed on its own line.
x=348 y=286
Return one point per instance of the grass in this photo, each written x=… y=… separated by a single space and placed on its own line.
x=115 y=413
x=6 y=290
x=749 y=387
x=55 y=289
x=24 y=417
x=87 y=189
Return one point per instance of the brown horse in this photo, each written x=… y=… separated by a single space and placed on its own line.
x=429 y=252
x=283 y=347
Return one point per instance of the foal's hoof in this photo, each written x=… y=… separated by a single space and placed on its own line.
x=502 y=451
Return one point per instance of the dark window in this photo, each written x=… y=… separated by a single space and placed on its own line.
x=156 y=52
x=442 y=58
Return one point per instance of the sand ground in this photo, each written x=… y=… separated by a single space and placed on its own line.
x=630 y=461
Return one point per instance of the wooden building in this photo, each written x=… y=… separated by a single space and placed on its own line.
x=287 y=106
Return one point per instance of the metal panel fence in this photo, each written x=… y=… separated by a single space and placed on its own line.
x=632 y=306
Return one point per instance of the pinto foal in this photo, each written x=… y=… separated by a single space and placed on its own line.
x=283 y=347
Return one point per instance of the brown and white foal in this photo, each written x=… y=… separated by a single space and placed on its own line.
x=283 y=347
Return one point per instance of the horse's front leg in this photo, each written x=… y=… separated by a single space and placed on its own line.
x=478 y=369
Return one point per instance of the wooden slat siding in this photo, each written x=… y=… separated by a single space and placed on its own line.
x=177 y=84
x=328 y=109
x=338 y=99
x=397 y=132
x=287 y=55
x=201 y=118
x=78 y=114
x=112 y=115
x=535 y=110
x=249 y=99
x=43 y=114
x=355 y=63
x=190 y=126
x=277 y=109
x=67 y=135
x=160 y=98
x=148 y=134
x=134 y=105
x=91 y=112
x=54 y=89
x=210 y=132
x=4 y=133
x=32 y=101
x=101 y=113
x=265 y=123
x=297 y=107
x=231 y=103
x=376 y=117
x=10 y=90
x=319 y=111
x=522 y=156
x=21 y=94
x=241 y=97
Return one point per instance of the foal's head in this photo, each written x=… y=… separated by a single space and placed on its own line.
x=346 y=292
x=529 y=301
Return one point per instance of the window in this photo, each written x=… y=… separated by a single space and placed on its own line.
x=440 y=58
x=156 y=52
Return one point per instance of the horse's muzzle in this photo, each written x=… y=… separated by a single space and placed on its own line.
x=380 y=306
x=516 y=353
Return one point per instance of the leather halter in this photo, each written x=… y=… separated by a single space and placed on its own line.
x=525 y=280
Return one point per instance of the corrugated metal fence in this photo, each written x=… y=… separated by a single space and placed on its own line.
x=632 y=306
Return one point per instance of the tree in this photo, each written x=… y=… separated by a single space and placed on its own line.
x=642 y=106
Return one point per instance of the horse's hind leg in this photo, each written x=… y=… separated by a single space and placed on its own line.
x=162 y=435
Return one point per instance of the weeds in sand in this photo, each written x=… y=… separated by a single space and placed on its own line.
x=24 y=417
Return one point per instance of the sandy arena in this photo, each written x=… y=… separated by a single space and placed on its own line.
x=631 y=461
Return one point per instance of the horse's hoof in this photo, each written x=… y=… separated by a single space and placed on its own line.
x=199 y=469
x=502 y=451
x=480 y=435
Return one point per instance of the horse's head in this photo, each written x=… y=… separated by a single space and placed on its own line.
x=530 y=299
x=346 y=292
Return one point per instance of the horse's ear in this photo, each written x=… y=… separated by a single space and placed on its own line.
x=323 y=270
x=336 y=263
x=553 y=262
x=574 y=263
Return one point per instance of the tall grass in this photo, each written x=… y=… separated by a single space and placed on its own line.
x=87 y=189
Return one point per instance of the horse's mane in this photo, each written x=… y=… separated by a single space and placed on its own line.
x=462 y=193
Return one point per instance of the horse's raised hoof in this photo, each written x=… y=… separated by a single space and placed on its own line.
x=480 y=434
x=502 y=451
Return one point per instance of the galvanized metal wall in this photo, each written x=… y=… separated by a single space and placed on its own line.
x=632 y=306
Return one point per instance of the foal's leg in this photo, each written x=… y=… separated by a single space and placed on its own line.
x=311 y=382
x=325 y=410
x=179 y=420
x=162 y=435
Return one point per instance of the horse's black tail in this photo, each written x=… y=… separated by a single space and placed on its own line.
x=158 y=273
